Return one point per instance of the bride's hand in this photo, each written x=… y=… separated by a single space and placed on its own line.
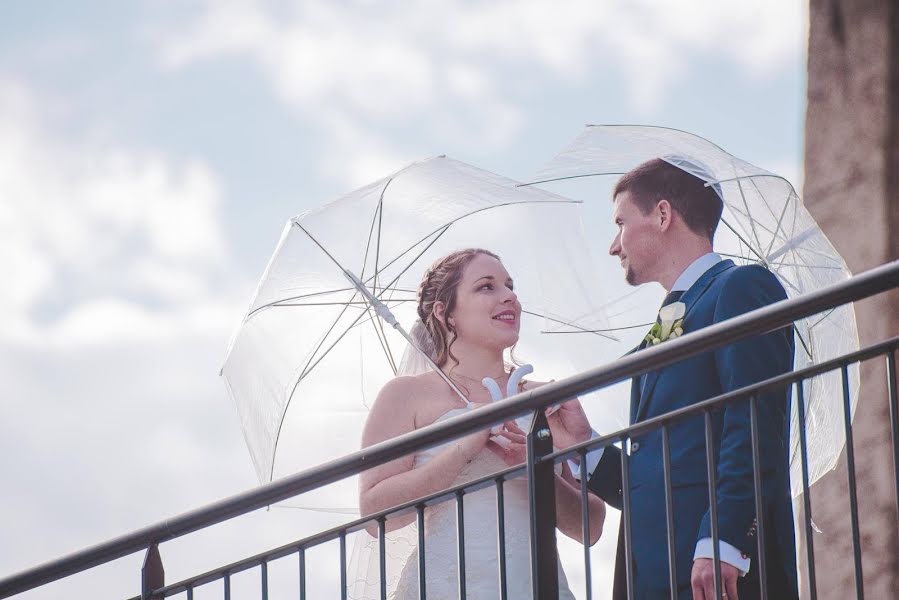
x=569 y=424
x=473 y=443
x=514 y=449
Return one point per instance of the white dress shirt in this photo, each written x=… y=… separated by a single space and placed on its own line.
x=704 y=548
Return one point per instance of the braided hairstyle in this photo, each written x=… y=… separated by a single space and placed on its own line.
x=439 y=284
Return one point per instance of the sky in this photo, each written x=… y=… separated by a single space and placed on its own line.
x=152 y=151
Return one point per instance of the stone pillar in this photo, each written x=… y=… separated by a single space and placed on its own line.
x=852 y=190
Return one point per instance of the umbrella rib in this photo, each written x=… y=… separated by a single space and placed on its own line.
x=352 y=303
x=793 y=243
x=365 y=322
x=749 y=176
x=626 y=311
x=309 y=368
x=474 y=212
x=807 y=266
x=756 y=186
x=253 y=312
x=817 y=253
x=306 y=370
x=334 y=260
x=530 y=183
x=740 y=237
x=622 y=297
x=290 y=301
x=805 y=346
x=378 y=323
x=379 y=333
x=378 y=242
x=800 y=258
x=759 y=224
x=751 y=220
x=600 y=331
x=371 y=229
x=605 y=173
x=778 y=226
x=816 y=323
x=426 y=248
x=561 y=322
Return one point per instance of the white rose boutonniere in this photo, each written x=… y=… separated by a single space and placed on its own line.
x=670 y=324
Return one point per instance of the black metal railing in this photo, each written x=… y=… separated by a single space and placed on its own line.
x=538 y=467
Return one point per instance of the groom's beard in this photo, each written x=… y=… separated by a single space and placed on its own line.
x=630 y=276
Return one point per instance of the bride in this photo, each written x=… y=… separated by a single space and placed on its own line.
x=470 y=315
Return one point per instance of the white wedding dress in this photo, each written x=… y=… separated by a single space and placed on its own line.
x=481 y=547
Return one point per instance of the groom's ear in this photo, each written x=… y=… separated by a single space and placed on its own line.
x=664 y=213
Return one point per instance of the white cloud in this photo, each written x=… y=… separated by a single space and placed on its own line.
x=117 y=243
x=460 y=70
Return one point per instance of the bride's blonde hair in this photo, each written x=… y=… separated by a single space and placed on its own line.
x=439 y=284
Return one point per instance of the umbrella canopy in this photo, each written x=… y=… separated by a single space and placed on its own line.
x=310 y=355
x=764 y=222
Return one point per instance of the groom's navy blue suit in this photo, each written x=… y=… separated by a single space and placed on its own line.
x=722 y=292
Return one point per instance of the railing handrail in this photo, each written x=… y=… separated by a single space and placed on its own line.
x=768 y=318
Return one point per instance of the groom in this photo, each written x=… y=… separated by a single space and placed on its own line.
x=666 y=219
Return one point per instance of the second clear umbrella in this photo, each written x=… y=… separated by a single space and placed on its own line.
x=764 y=222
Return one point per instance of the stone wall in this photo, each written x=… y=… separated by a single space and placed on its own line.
x=852 y=190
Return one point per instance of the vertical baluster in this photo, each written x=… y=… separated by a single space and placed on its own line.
x=501 y=536
x=757 y=492
x=711 y=473
x=152 y=575
x=460 y=540
x=894 y=417
x=382 y=556
x=302 y=558
x=420 y=518
x=585 y=523
x=264 y=572
x=853 y=498
x=626 y=517
x=542 y=501
x=190 y=592
x=669 y=512
x=806 y=498
x=227 y=585
x=343 y=565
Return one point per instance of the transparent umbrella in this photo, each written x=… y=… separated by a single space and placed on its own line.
x=311 y=353
x=764 y=222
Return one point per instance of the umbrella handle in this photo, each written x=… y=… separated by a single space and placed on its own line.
x=511 y=388
x=493 y=388
x=516 y=377
x=495 y=394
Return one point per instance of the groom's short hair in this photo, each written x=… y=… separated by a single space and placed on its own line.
x=698 y=205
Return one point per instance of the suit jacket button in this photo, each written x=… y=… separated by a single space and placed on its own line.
x=635 y=446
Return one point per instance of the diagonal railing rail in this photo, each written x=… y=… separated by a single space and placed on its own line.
x=769 y=318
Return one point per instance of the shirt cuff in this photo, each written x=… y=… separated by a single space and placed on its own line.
x=593 y=457
x=727 y=553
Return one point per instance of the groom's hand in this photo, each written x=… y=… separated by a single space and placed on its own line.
x=703 y=580
x=569 y=425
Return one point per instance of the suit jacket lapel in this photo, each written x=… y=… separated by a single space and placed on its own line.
x=689 y=298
